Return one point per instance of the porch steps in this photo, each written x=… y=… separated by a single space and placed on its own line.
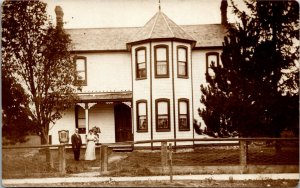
x=121 y=147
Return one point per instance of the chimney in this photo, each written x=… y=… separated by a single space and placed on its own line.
x=223 y=8
x=59 y=16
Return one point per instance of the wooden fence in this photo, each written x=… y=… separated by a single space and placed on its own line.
x=166 y=149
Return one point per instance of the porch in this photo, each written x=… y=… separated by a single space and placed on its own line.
x=110 y=111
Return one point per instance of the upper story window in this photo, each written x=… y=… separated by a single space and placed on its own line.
x=161 y=61
x=182 y=64
x=162 y=115
x=140 y=56
x=81 y=72
x=80 y=119
x=183 y=115
x=212 y=58
x=142 y=125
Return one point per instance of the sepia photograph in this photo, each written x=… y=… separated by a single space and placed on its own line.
x=150 y=93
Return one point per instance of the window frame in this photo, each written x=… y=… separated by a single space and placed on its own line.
x=207 y=63
x=80 y=130
x=157 y=101
x=137 y=116
x=167 y=61
x=80 y=82
x=188 y=114
x=136 y=63
x=186 y=62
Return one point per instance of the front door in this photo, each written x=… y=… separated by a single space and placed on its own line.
x=123 y=123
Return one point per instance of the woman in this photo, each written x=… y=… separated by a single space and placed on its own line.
x=91 y=140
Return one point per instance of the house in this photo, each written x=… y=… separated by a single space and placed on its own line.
x=141 y=83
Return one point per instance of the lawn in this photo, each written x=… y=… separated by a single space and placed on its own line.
x=21 y=163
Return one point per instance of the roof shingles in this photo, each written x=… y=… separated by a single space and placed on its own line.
x=159 y=26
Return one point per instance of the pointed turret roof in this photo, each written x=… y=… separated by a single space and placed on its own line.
x=160 y=27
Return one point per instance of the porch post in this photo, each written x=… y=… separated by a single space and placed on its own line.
x=86 y=107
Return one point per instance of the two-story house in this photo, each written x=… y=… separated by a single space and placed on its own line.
x=141 y=83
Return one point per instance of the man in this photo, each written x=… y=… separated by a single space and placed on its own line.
x=76 y=144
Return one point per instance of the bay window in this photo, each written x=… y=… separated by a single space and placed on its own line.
x=162 y=115
x=141 y=72
x=161 y=61
x=183 y=115
x=182 y=66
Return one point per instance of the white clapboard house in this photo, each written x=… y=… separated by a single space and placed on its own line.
x=141 y=83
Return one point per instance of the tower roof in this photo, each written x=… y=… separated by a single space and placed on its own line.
x=161 y=27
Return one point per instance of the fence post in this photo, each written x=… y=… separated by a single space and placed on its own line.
x=164 y=156
x=243 y=153
x=103 y=159
x=62 y=158
x=49 y=157
x=170 y=162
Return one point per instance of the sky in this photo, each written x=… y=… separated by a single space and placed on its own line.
x=134 y=13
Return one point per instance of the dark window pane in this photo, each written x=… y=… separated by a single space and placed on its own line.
x=142 y=122
x=163 y=122
x=183 y=124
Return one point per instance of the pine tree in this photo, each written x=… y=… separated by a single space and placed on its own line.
x=258 y=79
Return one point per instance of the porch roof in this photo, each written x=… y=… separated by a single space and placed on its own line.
x=105 y=96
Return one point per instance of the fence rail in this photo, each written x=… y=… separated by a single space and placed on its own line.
x=263 y=152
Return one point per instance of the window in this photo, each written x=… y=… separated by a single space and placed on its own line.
x=80 y=119
x=161 y=61
x=162 y=115
x=183 y=115
x=212 y=58
x=140 y=56
x=182 y=65
x=142 y=125
x=81 y=76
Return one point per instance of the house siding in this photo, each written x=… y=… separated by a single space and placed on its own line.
x=141 y=91
x=112 y=72
x=183 y=89
x=162 y=88
x=65 y=123
x=109 y=71
x=101 y=115
x=199 y=70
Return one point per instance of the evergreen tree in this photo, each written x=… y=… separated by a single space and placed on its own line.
x=257 y=82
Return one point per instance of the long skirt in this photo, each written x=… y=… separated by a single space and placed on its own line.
x=90 y=151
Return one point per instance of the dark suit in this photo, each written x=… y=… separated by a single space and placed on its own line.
x=76 y=144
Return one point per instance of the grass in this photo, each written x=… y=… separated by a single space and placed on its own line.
x=22 y=163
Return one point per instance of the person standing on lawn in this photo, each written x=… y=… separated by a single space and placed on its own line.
x=91 y=139
x=76 y=144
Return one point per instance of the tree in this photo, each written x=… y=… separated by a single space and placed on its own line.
x=37 y=57
x=15 y=121
x=258 y=80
